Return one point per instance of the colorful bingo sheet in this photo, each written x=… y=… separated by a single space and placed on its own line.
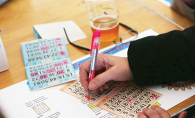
x=43 y=50
x=47 y=63
x=123 y=99
x=49 y=74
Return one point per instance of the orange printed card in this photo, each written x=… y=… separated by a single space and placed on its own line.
x=124 y=99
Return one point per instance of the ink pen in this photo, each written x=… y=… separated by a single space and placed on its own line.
x=94 y=51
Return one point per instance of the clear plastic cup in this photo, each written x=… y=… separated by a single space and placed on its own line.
x=104 y=16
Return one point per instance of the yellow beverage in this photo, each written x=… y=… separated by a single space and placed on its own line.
x=108 y=26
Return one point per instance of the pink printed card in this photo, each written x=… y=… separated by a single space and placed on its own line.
x=47 y=63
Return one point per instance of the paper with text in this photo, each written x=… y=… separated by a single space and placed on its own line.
x=121 y=98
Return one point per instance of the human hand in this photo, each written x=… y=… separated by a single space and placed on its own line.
x=157 y=112
x=107 y=68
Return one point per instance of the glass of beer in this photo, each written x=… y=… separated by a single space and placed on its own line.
x=104 y=16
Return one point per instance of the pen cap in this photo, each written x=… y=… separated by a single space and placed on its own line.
x=96 y=34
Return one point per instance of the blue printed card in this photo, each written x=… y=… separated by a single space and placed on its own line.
x=47 y=63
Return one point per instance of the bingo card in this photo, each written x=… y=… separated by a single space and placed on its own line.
x=47 y=63
x=124 y=99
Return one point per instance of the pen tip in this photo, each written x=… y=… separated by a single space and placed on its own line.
x=88 y=97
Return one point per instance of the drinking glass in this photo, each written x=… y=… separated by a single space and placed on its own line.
x=104 y=16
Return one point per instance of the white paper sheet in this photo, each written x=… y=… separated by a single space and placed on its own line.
x=53 y=30
x=18 y=102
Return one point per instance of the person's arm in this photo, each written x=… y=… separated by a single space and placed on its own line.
x=164 y=58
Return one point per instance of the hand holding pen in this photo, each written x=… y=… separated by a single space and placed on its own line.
x=106 y=68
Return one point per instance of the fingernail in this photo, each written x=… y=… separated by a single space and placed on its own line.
x=92 y=86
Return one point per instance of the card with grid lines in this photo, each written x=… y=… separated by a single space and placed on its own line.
x=47 y=63
x=124 y=99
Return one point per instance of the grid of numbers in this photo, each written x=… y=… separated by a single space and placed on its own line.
x=37 y=51
x=129 y=101
x=77 y=89
x=50 y=73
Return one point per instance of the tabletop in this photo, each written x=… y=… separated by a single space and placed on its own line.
x=17 y=18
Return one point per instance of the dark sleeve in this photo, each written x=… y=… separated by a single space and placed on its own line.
x=164 y=58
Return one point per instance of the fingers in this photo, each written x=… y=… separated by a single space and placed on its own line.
x=183 y=114
x=141 y=115
x=161 y=111
x=102 y=78
x=84 y=72
x=154 y=112
x=85 y=68
x=105 y=86
x=151 y=113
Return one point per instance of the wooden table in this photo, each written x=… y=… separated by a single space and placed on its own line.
x=17 y=18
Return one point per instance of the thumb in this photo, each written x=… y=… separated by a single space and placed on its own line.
x=101 y=79
x=183 y=114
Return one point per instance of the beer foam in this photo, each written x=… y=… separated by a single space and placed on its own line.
x=104 y=28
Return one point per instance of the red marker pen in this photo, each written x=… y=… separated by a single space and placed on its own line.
x=94 y=51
